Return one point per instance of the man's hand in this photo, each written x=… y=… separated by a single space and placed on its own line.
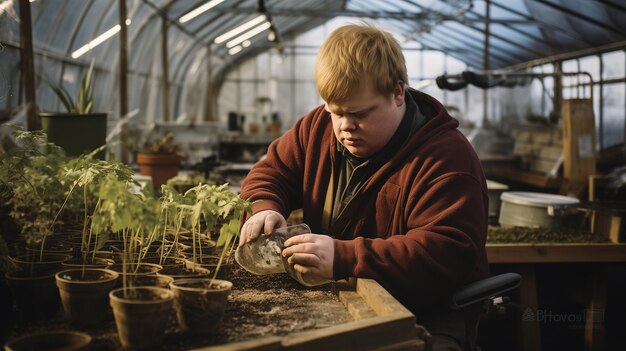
x=311 y=254
x=265 y=221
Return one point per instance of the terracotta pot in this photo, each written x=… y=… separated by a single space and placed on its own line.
x=41 y=264
x=6 y=307
x=36 y=296
x=48 y=341
x=200 y=303
x=51 y=248
x=98 y=262
x=159 y=281
x=141 y=316
x=185 y=273
x=210 y=263
x=84 y=294
x=142 y=269
x=160 y=167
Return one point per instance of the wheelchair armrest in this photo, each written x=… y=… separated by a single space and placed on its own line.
x=484 y=289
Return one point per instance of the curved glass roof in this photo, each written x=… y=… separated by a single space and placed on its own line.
x=69 y=34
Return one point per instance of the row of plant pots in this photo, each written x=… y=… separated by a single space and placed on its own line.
x=141 y=309
x=72 y=206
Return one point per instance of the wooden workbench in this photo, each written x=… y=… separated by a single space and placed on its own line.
x=526 y=256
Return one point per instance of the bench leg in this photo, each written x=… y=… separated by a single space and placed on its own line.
x=530 y=326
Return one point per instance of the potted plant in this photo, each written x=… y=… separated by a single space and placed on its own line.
x=78 y=130
x=30 y=178
x=84 y=289
x=141 y=313
x=159 y=159
x=200 y=303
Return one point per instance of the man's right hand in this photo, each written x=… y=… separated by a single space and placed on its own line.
x=265 y=221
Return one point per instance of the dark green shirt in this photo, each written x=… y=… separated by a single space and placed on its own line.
x=354 y=171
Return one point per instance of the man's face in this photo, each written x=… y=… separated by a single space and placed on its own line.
x=365 y=123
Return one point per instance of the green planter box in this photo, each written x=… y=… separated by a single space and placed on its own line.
x=76 y=134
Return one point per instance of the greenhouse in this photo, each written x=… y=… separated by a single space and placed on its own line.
x=312 y=174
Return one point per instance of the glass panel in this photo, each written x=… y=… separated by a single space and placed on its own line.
x=518 y=6
x=63 y=28
x=614 y=65
x=10 y=21
x=306 y=99
x=101 y=17
x=9 y=78
x=227 y=100
x=475 y=105
x=305 y=67
x=433 y=64
x=413 y=65
x=281 y=66
x=614 y=114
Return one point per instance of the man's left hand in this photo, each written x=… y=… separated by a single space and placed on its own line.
x=311 y=254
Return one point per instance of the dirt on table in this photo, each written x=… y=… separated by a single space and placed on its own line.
x=518 y=235
x=258 y=306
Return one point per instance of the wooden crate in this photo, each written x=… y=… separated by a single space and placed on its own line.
x=380 y=323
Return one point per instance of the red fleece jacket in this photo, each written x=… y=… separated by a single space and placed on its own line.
x=417 y=226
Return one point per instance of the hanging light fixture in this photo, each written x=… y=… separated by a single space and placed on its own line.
x=251 y=33
x=242 y=28
x=235 y=50
x=199 y=10
x=98 y=40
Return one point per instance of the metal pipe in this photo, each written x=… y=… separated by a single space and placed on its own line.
x=568 y=56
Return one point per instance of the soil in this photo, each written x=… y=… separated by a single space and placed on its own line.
x=516 y=235
x=258 y=306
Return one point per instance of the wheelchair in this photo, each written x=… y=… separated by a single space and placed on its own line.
x=488 y=293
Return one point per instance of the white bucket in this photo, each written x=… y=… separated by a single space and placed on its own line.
x=538 y=210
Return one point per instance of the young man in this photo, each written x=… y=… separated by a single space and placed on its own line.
x=391 y=189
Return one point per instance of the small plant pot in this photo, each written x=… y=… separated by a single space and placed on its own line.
x=51 y=248
x=161 y=167
x=210 y=264
x=101 y=254
x=50 y=341
x=185 y=273
x=208 y=246
x=41 y=264
x=36 y=296
x=6 y=307
x=167 y=263
x=200 y=303
x=84 y=294
x=76 y=263
x=76 y=134
x=141 y=315
x=139 y=270
x=159 y=281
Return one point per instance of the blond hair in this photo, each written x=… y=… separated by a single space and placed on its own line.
x=354 y=55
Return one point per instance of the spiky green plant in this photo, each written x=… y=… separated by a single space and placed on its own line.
x=83 y=103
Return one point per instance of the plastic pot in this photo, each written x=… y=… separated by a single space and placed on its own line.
x=84 y=294
x=76 y=134
x=141 y=315
x=200 y=303
x=50 y=341
x=36 y=296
